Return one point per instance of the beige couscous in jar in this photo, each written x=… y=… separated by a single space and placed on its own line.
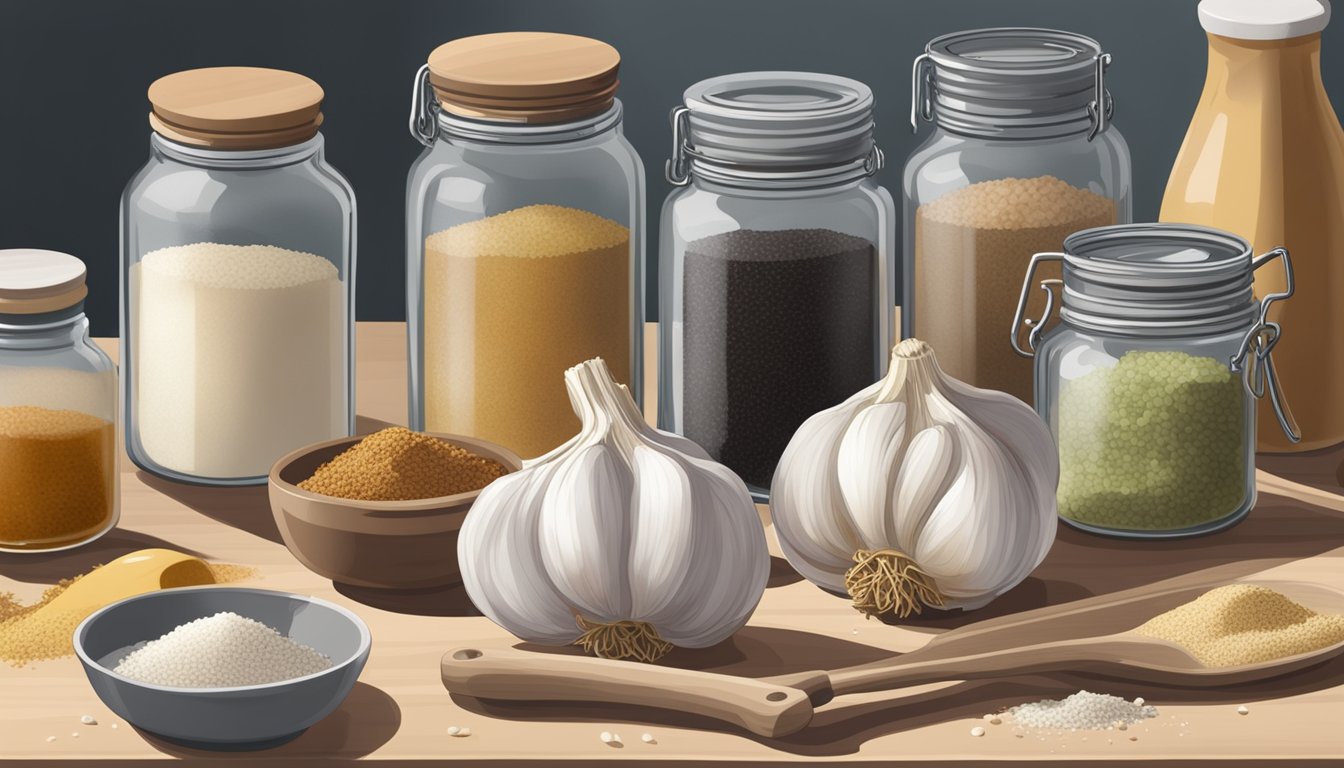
x=1022 y=154
x=1149 y=382
x=58 y=408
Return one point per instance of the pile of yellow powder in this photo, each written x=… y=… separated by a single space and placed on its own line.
x=1244 y=624
x=31 y=633
x=396 y=464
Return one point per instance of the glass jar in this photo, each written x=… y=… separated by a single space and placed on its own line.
x=238 y=247
x=776 y=259
x=58 y=408
x=525 y=236
x=1149 y=382
x=1021 y=155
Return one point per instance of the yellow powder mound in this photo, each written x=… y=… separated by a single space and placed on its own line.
x=28 y=633
x=1043 y=201
x=1244 y=624
x=533 y=231
x=396 y=464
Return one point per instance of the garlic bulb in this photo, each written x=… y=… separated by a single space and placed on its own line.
x=625 y=540
x=919 y=490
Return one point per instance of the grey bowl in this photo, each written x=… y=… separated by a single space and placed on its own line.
x=242 y=718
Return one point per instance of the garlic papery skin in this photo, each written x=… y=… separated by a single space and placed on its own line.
x=917 y=491
x=625 y=539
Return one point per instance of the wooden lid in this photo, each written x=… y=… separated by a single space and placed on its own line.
x=33 y=281
x=236 y=107
x=526 y=77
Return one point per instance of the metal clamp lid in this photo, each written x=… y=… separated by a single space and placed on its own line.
x=424 y=108
x=1253 y=359
x=978 y=82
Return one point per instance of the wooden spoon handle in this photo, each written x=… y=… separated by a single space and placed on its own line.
x=508 y=674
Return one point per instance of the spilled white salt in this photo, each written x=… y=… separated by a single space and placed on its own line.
x=1083 y=711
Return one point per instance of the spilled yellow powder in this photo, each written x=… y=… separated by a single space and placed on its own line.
x=1244 y=624
x=28 y=633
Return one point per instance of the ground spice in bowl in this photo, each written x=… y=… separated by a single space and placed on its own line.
x=1242 y=624
x=396 y=464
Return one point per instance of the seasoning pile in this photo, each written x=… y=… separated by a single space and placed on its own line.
x=221 y=651
x=239 y=356
x=1153 y=443
x=1083 y=711
x=971 y=248
x=1243 y=624
x=511 y=302
x=396 y=464
x=778 y=326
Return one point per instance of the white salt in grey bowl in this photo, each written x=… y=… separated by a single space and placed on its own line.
x=242 y=718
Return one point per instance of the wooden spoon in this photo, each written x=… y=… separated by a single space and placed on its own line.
x=1037 y=642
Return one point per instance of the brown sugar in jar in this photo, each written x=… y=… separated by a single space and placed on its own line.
x=972 y=247
x=57 y=476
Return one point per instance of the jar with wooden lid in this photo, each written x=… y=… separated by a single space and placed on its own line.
x=1149 y=381
x=58 y=408
x=1023 y=152
x=777 y=260
x=524 y=230
x=238 y=256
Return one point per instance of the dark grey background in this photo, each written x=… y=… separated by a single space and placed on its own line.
x=73 y=128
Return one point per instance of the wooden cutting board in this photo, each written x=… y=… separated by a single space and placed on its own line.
x=400 y=712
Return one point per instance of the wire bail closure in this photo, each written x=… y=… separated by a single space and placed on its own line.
x=921 y=91
x=1102 y=107
x=677 y=168
x=1020 y=319
x=1253 y=358
x=424 y=108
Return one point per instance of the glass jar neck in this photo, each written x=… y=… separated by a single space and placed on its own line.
x=49 y=330
x=239 y=159
x=780 y=191
x=455 y=129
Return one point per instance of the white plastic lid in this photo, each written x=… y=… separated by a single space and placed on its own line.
x=1264 y=19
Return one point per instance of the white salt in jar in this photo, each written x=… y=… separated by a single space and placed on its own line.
x=238 y=273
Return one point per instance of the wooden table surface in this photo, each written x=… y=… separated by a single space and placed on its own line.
x=399 y=712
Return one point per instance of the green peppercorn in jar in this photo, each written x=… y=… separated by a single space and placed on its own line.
x=1149 y=382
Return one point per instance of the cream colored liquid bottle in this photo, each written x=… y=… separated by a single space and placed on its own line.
x=1264 y=158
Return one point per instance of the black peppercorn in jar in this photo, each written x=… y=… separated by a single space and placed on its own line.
x=776 y=256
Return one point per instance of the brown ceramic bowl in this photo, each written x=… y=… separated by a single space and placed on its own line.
x=380 y=544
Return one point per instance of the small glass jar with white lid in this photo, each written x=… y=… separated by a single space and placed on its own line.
x=1149 y=381
x=58 y=408
x=238 y=248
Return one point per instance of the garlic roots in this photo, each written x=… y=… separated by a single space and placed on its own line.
x=625 y=540
x=919 y=491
